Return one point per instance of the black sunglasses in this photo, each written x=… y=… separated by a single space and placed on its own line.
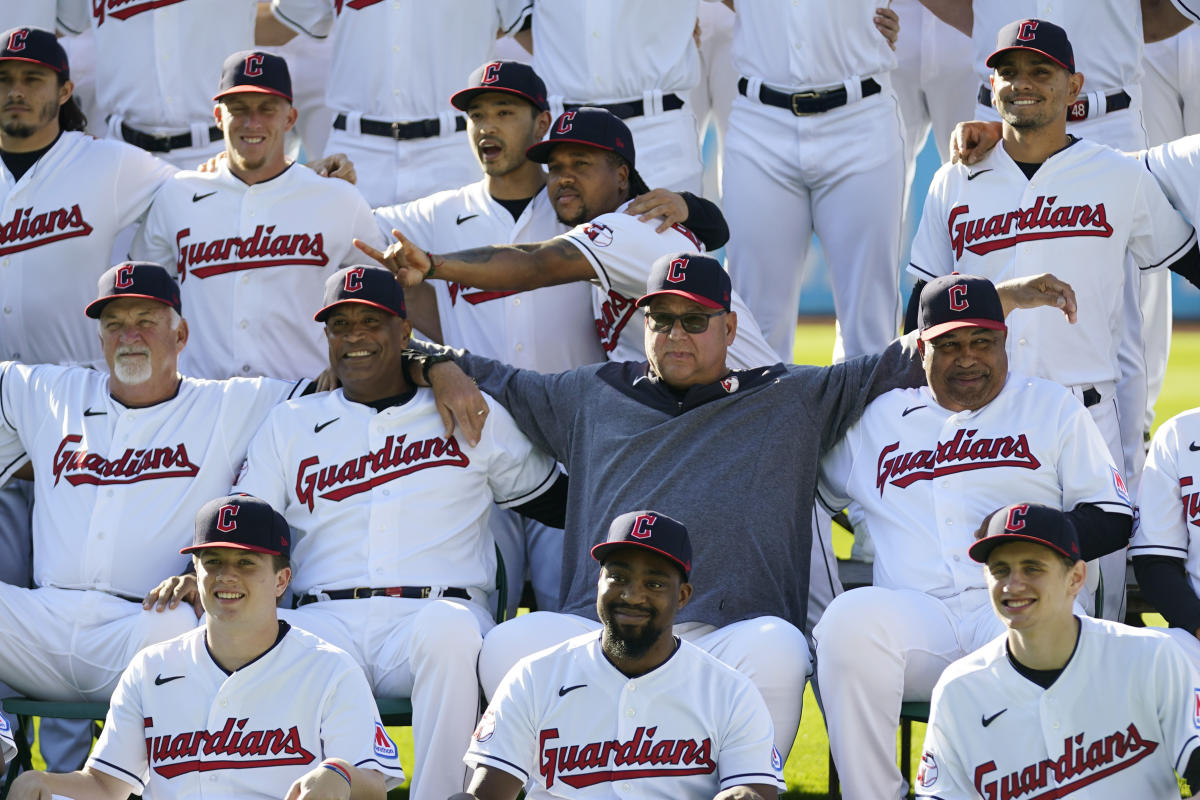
x=692 y=322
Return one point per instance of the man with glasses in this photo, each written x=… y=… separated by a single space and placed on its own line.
x=732 y=454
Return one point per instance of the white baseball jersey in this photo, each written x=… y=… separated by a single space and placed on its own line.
x=180 y=725
x=8 y=748
x=1189 y=8
x=1169 y=495
x=809 y=43
x=1176 y=165
x=158 y=62
x=401 y=59
x=35 y=13
x=1078 y=215
x=577 y=727
x=923 y=478
x=351 y=482
x=251 y=261
x=57 y=228
x=588 y=50
x=1118 y=722
x=111 y=480
x=621 y=249
x=548 y=329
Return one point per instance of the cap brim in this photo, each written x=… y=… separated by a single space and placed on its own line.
x=462 y=99
x=37 y=61
x=695 y=298
x=990 y=65
x=984 y=547
x=232 y=546
x=252 y=89
x=324 y=312
x=946 y=327
x=599 y=550
x=540 y=152
x=94 y=308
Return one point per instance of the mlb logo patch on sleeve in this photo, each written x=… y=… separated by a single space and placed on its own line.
x=384 y=746
x=928 y=771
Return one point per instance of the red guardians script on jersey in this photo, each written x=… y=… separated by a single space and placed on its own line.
x=354 y=4
x=174 y=754
x=983 y=235
x=132 y=466
x=1191 y=501
x=615 y=313
x=586 y=765
x=27 y=230
x=395 y=459
x=124 y=9
x=260 y=249
x=1079 y=765
x=474 y=296
x=960 y=454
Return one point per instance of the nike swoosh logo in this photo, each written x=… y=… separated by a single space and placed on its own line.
x=1194 y=447
x=89 y=413
x=973 y=175
x=909 y=410
x=562 y=690
x=196 y=198
x=989 y=720
x=323 y=425
x=160 y=680
x=461 y=220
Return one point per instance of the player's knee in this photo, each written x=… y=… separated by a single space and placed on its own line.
x=509 y=642
x=776 y=651
x=154 y=626
x=850 y=625
x=445 y=632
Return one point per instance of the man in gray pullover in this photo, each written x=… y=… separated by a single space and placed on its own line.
x=732 y=454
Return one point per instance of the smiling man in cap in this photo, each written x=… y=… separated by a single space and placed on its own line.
x=230 y=689
x=1060 y=701
x=634 y=689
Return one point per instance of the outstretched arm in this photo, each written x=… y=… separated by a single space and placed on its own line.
x=955 y=13
x=86 y=784
x=518 y=267
x=490 y=784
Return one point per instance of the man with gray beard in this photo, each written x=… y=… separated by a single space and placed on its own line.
x=122 y=463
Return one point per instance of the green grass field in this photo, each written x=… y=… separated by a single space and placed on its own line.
x=807 y=769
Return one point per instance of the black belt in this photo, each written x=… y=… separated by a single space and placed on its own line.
x=421 y=129
x=631 y=108
x=1077 y=111
x=409 y=592
x=1091 y=396
x=161 y=142
x=803 y=103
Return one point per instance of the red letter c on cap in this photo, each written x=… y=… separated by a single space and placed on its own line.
x=354 y=279
x=491 y=73
x=124 y=276
x=1026 y=33
x=254 y=65
x=16 y=42
x=564 y=122
x=675 y=271
x=226 y=521
x=958 y=298
x=642 y=525
x=1016 y=517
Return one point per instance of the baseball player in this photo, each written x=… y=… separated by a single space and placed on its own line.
x=922 y=469
x=1164 y=558
x=1169 y=96
x=254 y=241
x=393 y=555
x=622 y=696
x=591 y=180
x=1045 y=197
x=393 y=66
x=815 y=135
x=215 y=710
x=155 y=63
x=1061 y=705
x=669 y=433
x=122 y=460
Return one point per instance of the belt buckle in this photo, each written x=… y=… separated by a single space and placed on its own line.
x=361 y=592
x=797 y=96
x=396 y=131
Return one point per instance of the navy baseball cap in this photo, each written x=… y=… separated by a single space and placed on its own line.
x=698 y=278
x=1028 y=522
x=959 y=301
x=242 y=522
x=141 y=279
x=371 y=286
x=255 y=71
x=595 y=127
x=1036 y=36
x=512 y=77
x=653 y=531
x=36 y=46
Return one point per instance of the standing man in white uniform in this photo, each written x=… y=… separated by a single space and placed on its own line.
x=394 y=64
x=393 y=556
x=218 y=705
x=1061 y=705
x=815 y=144
x=254 y=241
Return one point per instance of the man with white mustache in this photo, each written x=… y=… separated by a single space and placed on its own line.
x=122 y=462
